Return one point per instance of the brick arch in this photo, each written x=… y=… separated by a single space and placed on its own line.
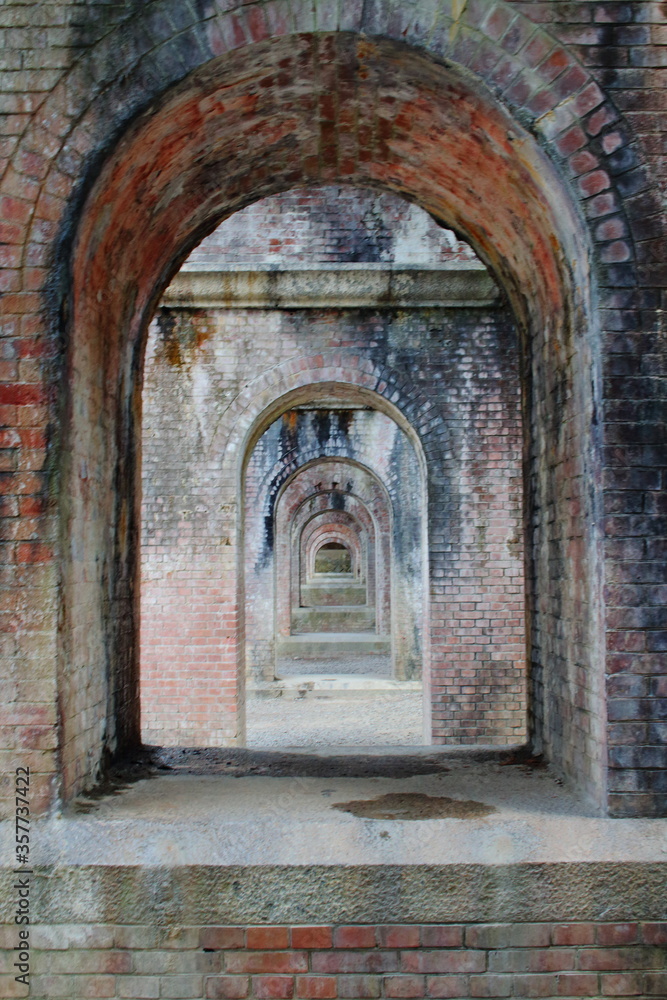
x=531 y=77
x=177 y=193
x=361 y=524
x=334 y=375
x=373 y=516
x=341 y=540
x=300 y=503
x=371 y=504
x=350 y=536
x=518 y=60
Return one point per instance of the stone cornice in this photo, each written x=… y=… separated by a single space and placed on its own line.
x=333 y=286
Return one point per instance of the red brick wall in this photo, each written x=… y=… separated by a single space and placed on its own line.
x=323 y=962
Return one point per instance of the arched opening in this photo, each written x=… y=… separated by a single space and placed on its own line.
x=308 y=487
x=532 y=243
x=332 y=632
x=332 y=559
x=336 y=549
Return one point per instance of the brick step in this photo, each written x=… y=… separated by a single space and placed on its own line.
x=332 y=644
x=341 y=618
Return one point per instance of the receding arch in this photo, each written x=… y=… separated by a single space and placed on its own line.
x=372 y=509
x=343 y=556
x=315 y=537
x=169 y=168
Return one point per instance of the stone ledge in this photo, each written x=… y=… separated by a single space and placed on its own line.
x=334 y=286
x=333 y=685
x=240 y=894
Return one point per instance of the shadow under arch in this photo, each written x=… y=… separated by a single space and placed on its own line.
x=225 y=137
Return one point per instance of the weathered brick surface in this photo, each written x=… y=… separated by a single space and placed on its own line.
x=365 y=961
x=588 y=77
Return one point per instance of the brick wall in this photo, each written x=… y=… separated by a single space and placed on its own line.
x=457 y=960
x=331 y=224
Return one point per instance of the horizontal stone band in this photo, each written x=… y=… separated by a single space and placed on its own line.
x=346 y=286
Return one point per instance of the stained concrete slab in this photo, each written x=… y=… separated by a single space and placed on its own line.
x=243 y=814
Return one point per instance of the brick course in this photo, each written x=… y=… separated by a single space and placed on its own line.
x=470 y=960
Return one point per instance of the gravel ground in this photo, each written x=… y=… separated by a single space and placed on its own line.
x=370 y=665
x=377 y=720
x=391 y=720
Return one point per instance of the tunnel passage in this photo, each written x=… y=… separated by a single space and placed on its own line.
x=333 y=559
x=153 y=128
x=229 y=134
x=215 y=335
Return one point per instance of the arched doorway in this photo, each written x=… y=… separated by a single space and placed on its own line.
x=533 y=242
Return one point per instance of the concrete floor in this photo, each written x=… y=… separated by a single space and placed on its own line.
x=230 y=807
x=380 y=717
x=347 y=700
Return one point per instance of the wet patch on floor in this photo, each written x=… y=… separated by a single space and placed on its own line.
x=414 y=806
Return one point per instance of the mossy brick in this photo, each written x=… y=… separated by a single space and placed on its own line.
x=620 y=959
x=227 y=987
x=490 y=986
x=259 y=962
x=137 y=987
x=358 y=987
x=339 y=960
x=446 y=986
x=182 y=987
x=444 y=961
x=403 y=986
x=493 y=936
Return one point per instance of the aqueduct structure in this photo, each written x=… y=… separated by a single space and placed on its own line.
x=528 y=129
